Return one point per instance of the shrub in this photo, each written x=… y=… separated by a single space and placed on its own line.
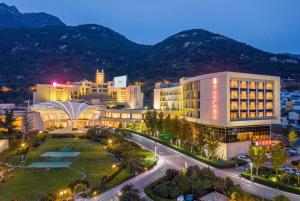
x=281 y=198
x=171 y=173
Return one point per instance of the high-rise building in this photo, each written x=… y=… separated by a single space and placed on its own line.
x=240 y=107
x=100 y=77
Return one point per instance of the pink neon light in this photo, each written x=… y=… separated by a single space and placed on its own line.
x=214 y=98
x=54 y=84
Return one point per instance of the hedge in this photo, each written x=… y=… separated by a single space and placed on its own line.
x=272 y=184
x=150 y=194
x=215 y=164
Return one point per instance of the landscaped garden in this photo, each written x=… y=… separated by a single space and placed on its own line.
x=105 y=160
x=268 y=169
x=193 y=184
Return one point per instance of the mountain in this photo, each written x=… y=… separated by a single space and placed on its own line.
x=67 y=53
x=11 y=17
x=296 y=56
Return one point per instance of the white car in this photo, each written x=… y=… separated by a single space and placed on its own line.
x=244 y=158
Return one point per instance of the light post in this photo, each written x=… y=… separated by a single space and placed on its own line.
x=155 y=151
x=186 y=165
x=251 y=170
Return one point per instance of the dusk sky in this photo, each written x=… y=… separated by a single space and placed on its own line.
x=271 y=25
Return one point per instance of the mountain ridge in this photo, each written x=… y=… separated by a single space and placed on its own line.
x=70 y=53
x=10 y=16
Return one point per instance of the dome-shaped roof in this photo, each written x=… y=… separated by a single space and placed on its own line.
x=73 y=109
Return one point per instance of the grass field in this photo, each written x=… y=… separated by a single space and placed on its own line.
x=30 y=184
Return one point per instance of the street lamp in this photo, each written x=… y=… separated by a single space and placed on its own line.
x=23 y=145
x=114 y=166
x=155 y=151
x=251 y=168
x=110 y=141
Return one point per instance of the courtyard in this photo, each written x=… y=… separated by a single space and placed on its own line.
x=33 y=183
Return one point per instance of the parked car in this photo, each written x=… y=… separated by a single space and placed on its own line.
x=290 y=151
x=295 y=162
x=287 y=169
x=244 y=158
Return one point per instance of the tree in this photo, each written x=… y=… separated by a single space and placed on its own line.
x=280 y=198
x=278 y=157
x=151 y=121
x=160 y=122
x=292 y=137
x=129 y=193
x=200 y=142
x=212 y=142
x=168 y=124
x=8 y=122
x=258 y=156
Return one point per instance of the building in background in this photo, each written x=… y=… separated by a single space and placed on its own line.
x=98 y=92
x=240 y=107
x=100 y=77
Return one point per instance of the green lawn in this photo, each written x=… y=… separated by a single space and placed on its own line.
x=29 y=184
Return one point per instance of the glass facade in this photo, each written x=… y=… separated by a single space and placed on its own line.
x=251 y=99
x=238 y=134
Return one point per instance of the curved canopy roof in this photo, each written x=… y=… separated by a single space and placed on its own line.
x=73 y=109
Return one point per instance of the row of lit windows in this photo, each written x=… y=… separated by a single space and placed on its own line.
x=191 y=95
x=234 y=94
x=245 y=115
x=252 y=105
x=251 y=84
x=195 y=85
x=168 y=93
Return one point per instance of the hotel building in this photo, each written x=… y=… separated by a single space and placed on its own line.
x=240 y=107
x=98 y=92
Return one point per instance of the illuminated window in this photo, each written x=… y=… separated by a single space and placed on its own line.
x=234 y=94
x=243 y=114
x=260 y=105
x=269 y=105
x=252 y=105
x=252 y=114
x=244 y=136
x=260 y=85
x=252 y=85
x=260 y=114
x=243 y=84
x=269 y=95
x=234 y=83
x=260 y=95
x=234 y=105
x=243 y=105
x=269 y=114
x=233 y=115
x=269 y=85
x=243 y=95
x=252 y=95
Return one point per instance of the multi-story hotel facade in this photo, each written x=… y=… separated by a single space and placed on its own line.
x=104 y=92
x=240 y=107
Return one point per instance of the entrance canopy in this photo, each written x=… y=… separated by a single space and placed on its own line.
x=63 y=114
x=72 y=109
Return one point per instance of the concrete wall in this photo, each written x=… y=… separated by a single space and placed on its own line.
x=227 y=151
x=4 y=144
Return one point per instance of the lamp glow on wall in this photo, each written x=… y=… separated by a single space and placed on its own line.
x=214 y=98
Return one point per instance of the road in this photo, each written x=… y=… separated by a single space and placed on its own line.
x=169 y=158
